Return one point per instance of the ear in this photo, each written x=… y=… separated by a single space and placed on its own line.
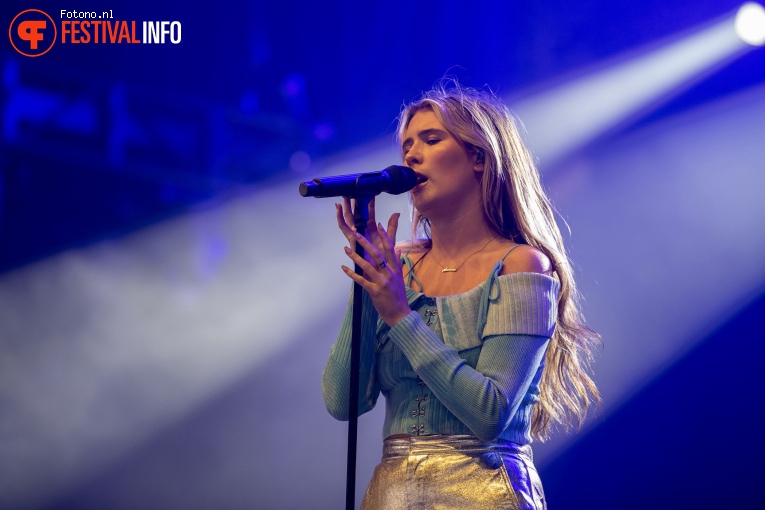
x=480 y=160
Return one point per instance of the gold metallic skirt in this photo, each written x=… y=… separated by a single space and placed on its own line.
x=454 y=472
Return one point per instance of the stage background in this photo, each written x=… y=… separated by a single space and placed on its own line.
x=168 y=300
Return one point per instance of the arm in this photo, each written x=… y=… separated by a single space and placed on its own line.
x=485 y=398
x=335 y=382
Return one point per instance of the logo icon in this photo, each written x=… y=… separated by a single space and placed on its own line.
x=32 y=33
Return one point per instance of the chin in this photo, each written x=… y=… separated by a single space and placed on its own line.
x=425 y=207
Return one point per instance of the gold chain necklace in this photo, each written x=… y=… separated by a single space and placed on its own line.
x=445 y=269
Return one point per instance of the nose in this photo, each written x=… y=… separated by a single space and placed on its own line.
x=413 y=156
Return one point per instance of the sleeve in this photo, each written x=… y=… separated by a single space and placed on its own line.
x=514 y=338
x=335 y=382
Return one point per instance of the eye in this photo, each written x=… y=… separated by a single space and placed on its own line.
x=433 y=141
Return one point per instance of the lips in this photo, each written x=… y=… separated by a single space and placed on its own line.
x=421 y=179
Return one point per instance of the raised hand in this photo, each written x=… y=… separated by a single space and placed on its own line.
x=383 y=274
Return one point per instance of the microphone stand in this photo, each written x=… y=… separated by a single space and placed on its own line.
x=360 y=219
x=394 y=180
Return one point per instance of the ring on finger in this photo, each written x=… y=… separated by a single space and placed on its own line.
x=381 y=265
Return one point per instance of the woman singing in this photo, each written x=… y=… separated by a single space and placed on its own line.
x=472 y=333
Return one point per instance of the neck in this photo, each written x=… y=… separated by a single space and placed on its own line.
x=453 y=236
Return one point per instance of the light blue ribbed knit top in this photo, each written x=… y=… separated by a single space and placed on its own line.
x=469 y=363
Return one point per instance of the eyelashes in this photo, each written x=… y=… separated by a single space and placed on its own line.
x=431 y=141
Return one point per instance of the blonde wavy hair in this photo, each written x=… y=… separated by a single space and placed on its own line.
x=516 y=207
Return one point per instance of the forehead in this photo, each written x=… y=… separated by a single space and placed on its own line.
x=422 y=119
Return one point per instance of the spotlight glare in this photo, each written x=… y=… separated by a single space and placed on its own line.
x=750 y=24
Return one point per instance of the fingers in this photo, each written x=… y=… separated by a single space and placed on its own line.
x=346 y=213
x=389 y=246
x=393 y=228
x=374 y=272
x=348 y=210
x=371 y=250
x=343 y=224
x=378 y=243
x=372 y=223
x=388 y=238
x=380 y=262
x=355 y=277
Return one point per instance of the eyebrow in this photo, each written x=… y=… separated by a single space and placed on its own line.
x=422 y=134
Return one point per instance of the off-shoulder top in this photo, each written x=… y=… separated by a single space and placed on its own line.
x=468 y=363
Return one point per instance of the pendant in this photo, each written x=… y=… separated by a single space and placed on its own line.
x=449 y=270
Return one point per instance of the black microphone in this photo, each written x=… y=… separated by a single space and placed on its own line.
x=394 y=180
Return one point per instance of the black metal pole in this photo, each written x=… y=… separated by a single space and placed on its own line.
x=360 y=219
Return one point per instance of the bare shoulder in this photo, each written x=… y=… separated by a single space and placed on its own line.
x=415 y=249
x=527 y=259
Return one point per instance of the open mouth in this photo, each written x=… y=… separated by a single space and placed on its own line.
x=421 y=179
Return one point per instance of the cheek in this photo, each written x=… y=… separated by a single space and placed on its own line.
x=450 y=158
